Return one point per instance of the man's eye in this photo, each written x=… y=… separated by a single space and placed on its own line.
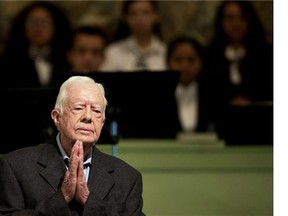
x=78 y=108
x=97 y=112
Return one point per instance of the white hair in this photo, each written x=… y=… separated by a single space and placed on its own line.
x=63 y=92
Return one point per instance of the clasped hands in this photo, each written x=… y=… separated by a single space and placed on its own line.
x=74 y=185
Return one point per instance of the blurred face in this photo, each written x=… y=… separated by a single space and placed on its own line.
x=83 y=116
x=141 y=17
x=234 y=23
x=39 y=27
x=186 y=60
x=87 y=53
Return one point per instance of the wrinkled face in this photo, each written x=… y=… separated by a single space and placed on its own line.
x=39 y=27
x=83 y=116
x=234 y=23
x=87 y=53
x=141 y=17
x=186 y=60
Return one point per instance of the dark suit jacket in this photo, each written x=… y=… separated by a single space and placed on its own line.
x=30 y=180
x=21 y=73
x=204 y=120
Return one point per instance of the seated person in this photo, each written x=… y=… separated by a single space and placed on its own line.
x=86 y=52
x=185 y=54
x=35 y=51
x=138 y=45
x=238 y=60
x=69 y=175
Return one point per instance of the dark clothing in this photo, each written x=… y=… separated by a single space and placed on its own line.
x=204 y=121
x=21 y=72
x=30 y=181
x=256 y=70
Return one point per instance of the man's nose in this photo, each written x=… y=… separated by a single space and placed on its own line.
x=87 y=116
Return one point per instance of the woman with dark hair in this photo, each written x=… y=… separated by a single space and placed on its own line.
x=239 y=60
x=137 y=44
x=185 y=54
x=36 y=46
x=124 y=29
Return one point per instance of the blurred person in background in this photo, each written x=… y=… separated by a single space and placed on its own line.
x=137 y=44
x=35 y=51
x=185 y=55
x=239 y=59
x=86 y=52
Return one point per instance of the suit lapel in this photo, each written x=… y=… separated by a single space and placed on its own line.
x=53 y=168
x=100 y=179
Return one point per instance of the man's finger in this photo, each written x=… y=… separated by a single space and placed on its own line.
x=74 y=158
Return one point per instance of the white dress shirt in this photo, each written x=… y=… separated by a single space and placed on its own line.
x=44 y=70
x=126 y=55
x=42 y=65
x=235 y=56
x=187 y=102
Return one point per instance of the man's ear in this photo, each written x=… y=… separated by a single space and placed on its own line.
x=55 y=116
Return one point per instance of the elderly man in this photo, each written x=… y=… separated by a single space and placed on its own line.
x=70 y=176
